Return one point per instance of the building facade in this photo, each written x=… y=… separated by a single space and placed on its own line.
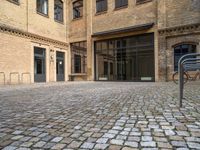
x=103 y=40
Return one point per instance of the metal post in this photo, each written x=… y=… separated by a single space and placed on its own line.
x=181 y=62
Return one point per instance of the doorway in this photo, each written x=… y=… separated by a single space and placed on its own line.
x=60 y=71
x=39 y=65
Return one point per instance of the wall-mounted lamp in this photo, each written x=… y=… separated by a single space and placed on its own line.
x=51 y=55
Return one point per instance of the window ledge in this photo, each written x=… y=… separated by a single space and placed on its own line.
x=60 y=22
x=78 y=74
x=142 y=2
x=47 y=16
x=16 y=3
x=75 y=19
x=119 y=8
x=101 y=13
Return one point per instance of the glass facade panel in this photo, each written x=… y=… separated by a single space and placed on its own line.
x=126 y=59
x=79 y=57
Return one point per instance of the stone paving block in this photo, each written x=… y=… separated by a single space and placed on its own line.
x=74 y=144
x=147 y=138
x=57 y=139
x=131 y=144
x=9 y=148
x=22 y=148
x=169 y=132
x=178 y=143
x=17 y=137
x=87 y=145
x=164 y=145
x=108 y=135
x=101 y=146
x=58 y=146
x=27 y=144
x=114 y=147
x=148 y=144
x=17 y=132
x=117 y=142
x=49 y=145
x=102 y=140
x=39 y=144
x=194 y=145
x=24 y=139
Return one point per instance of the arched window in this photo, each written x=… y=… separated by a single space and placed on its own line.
x=181 y=50
x=58 y=10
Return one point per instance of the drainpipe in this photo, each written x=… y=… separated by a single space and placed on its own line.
x=27 y=15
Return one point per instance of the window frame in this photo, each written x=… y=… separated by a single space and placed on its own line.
x=74 y=7
x=57 y=20
x=79 y=48
x=40 y=12
x=100 y=3
x=179 y=55
x=122 y=5
x=142 y=1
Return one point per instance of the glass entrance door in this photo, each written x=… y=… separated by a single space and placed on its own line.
x=60 y=75
x=39 y=65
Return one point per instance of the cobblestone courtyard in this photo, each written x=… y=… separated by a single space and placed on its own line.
x=99 y=115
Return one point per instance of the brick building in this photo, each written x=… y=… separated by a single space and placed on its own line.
x=125 y=40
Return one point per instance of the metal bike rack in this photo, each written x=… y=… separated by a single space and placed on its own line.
x=15 y=73
x=184 y=60
x=26 y=73
x=4 y=77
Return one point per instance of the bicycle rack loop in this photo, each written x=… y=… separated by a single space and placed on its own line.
x=15 y=73
x=181 y=63
x=4 y=77
x=26 y=73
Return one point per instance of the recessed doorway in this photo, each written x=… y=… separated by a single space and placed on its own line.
x=60 y=71
x=39 y=65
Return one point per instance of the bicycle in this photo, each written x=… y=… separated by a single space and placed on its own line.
x=186 y=76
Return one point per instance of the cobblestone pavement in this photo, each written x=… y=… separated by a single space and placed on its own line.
x=99 y=115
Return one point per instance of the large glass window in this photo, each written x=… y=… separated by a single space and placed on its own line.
x=181 y=50
x=101 y=5
x=79 y=57
x=78 y=9
x=127 y=58
x=58 y=10
x=121 y=3
x=42 y=6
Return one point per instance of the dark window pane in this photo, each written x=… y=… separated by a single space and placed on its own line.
x=105 y=68
x=58 y=10
x=101 y=5
x=181 y=50
x=77 y=63
x=78 y=9
x=42 y=6
x=79 y=57
x=111 y=68
x=121 y=3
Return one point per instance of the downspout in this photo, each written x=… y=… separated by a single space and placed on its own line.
x=27 y=15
